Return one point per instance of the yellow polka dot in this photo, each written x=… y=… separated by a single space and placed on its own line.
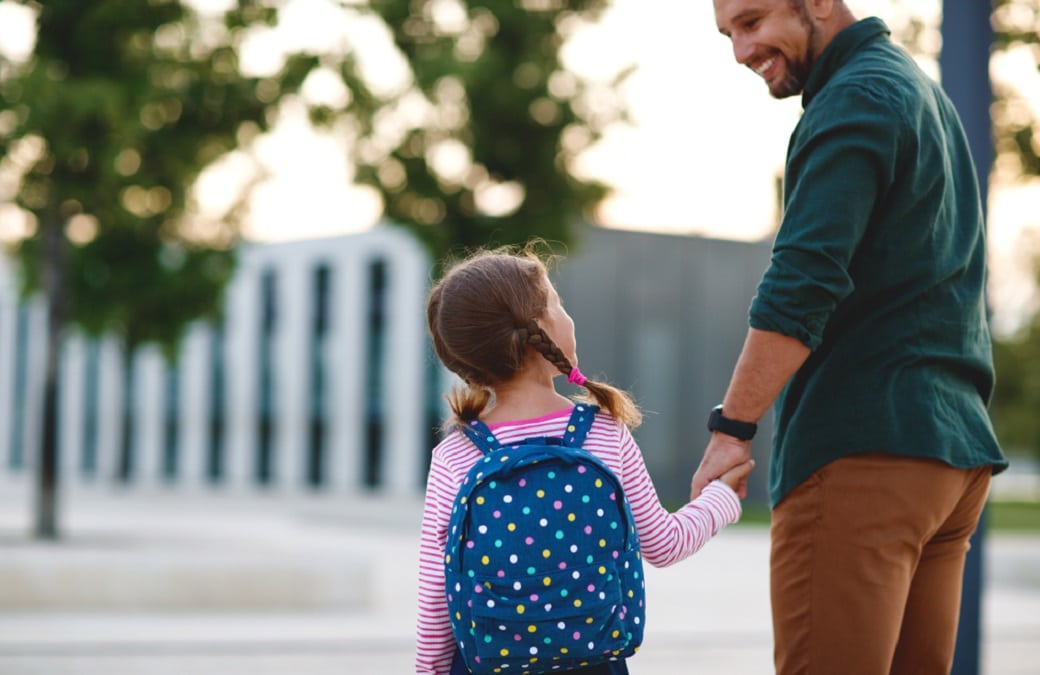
x=571 y=517
x=630 y=594
x=577 y=603
x=547 y=581
x=504 y=652
x=602 y=542
x=589 y=620
x=485 y=560
x=570 y=427
x=602 y=569
x=511 y=527
x=532 y=629
x=520 y=609
x=563 y=650
x=480 y=500
x=615 y=633
x=599 y=482
x=546 y=553
x=540 y=493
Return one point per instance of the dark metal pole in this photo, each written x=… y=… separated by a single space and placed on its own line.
x=964 y=63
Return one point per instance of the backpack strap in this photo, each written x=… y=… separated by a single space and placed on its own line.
x=579 y=424
x=481 y=435
x=577 y=429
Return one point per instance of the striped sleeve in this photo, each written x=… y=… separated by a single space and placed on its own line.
x=666 y=538
x=435 y=645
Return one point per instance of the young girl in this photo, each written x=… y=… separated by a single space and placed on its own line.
x=498 y=323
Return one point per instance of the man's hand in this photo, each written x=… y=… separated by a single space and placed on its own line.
x=722 y=454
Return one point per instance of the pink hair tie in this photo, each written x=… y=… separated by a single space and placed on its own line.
x=575 y=377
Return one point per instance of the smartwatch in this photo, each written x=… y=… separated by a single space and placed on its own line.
x=745 y=431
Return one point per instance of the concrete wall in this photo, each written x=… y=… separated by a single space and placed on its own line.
x=664 y=317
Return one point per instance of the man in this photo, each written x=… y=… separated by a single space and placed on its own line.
x=869 y=336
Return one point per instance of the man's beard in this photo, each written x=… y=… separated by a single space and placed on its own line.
x=796 y=73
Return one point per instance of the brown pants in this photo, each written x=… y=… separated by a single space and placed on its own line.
x=866 y=566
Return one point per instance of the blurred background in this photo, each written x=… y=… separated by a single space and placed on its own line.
x=219 y=220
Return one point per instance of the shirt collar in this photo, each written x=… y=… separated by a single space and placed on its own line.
x=836 y=54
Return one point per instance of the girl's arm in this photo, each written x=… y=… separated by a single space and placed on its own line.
x=666 y=538
x=435 y=645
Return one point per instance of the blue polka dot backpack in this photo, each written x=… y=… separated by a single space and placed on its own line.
x=543 y=571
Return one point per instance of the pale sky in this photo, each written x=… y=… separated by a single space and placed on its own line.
x=701 y=155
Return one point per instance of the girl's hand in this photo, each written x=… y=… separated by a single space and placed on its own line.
x=737 y=477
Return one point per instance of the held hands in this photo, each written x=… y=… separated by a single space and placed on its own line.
x=727 y=458
x=737 y=477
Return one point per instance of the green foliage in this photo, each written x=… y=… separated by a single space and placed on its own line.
x=493 y=87
x=1016 y=399
x=1017 y=26
x=109 y=123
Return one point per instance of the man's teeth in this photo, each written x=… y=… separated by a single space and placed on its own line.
x=765 y=65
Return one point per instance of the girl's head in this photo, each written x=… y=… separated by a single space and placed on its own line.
x=489 y=313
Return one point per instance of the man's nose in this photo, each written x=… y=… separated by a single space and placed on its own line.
x=742 y=50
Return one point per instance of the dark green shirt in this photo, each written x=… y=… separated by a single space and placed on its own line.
x=879 y=267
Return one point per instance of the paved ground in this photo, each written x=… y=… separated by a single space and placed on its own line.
x=159 y=584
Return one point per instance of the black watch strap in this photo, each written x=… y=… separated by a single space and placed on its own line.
x=745 y=431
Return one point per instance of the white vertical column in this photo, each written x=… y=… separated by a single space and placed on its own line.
x=241 y=352
x=347 y=340
x=291 y=371
x=404 y=374
x=109 y=408
x=35 y=376
x=195 y=398
x=149 y=410
x=8 y=335
x=70 y=408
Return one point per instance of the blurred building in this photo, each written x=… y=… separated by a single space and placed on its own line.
x=321 y=375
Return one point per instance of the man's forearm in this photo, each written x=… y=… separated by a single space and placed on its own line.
x=767 y=361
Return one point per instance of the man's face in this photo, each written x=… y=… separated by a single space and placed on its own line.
x=775 y=38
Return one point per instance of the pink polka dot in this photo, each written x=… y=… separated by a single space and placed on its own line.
x=588 y=529
x=517 y=637
x=581 y=469
x=529 y=541
x=557 y=505
x=591 y=588
x=563 y=566
x=501 y=573
x=478 y=589
x=534 y=597
x=469 y=544
x=497 y=514
x=522 y=482
x=577 y=635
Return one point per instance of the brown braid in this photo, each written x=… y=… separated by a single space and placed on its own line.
x=615 y=401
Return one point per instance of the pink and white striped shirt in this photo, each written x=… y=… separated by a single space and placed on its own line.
x=665 y=538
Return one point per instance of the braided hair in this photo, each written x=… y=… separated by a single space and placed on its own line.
x=482 y=316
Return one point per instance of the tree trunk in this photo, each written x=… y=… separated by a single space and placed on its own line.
x=46 y=511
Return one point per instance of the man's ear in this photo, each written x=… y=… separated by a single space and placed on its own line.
x=821 y=10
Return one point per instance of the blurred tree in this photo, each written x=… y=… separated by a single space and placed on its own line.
x=478 y=146
x=1017 y=29
x=103 y=131
x=1016 y=399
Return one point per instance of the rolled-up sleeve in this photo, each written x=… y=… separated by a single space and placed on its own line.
x=840 y=163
